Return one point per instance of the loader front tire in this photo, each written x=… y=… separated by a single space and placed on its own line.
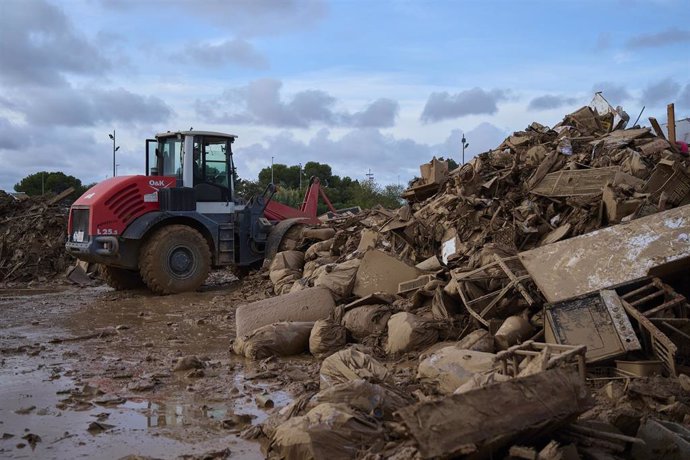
x=175 y=259
x=121 y=279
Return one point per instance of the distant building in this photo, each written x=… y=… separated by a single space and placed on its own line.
x=682 y=130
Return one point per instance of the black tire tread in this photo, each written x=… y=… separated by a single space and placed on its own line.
x=120 y=279
x=151 y=271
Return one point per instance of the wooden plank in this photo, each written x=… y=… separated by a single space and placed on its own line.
x=657 y=128
x=671 y=115
x=575 y=182
x=610 y=256
x=61 y=196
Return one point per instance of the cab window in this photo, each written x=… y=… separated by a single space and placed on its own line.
x=211 y=159
x=170 y=155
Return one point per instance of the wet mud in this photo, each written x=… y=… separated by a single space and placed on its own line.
x=97 y=373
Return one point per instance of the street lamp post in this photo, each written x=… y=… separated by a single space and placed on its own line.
x=464 y=146
x=115 y=149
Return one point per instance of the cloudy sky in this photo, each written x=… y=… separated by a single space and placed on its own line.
x=362 y=85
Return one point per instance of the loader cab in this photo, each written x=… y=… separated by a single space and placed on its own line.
x=201 y=160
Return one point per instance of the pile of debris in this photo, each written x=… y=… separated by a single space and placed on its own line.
x=32 y=238
x=530 y=304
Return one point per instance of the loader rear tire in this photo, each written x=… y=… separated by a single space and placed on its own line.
x=175 y=259
x=121 y=279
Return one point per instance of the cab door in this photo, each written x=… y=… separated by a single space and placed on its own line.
x=152 y=157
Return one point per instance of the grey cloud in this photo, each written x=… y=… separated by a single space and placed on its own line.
x=475 y=101
x=381 y=113
x=236 y=51
x=260 y=103
x=669 y=36
x=9 y=139
x=362 y=149
x=481 y=138
x=684 y=97
x=550 y=101
x=89 y=106
x=613 y=93
x=38 y=45
x=246 y=17
x=661 y=92
x=77 y=153
x=312 y=105
x=352 y=155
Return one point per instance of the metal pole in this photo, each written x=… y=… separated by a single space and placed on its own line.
x=272 y=182
x=114 y=172
x=300 y=176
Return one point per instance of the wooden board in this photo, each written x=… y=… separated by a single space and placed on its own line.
x=575 y=182
x=610 y=256
x=671 y=117
x=657 y=128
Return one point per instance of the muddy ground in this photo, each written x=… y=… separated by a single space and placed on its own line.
x=90 y=372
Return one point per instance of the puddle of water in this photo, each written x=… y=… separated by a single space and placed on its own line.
x=139 y=427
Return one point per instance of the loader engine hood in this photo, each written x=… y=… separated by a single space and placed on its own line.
x=110 y=206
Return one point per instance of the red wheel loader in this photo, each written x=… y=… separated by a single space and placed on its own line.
x=166 y=229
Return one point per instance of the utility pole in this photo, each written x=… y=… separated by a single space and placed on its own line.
x=272 y=182
x=115 y=149
x=464 y=146
x=370 y=176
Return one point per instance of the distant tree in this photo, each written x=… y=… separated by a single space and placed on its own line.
x=49 y=182
x=245 y=189
x=320 y=170
x=283 y=175
x=391 y=196
x=452 y=164
x=343 y=192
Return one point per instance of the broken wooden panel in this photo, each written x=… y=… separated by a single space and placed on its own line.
x=655 y=146
x=596 y=320
x=610 y=256
x=623 y=137
x=489 y=418
x=575 y=182
x=618 y=207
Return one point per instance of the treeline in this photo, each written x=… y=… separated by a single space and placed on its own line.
x=343 y=192
x=51 y=182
